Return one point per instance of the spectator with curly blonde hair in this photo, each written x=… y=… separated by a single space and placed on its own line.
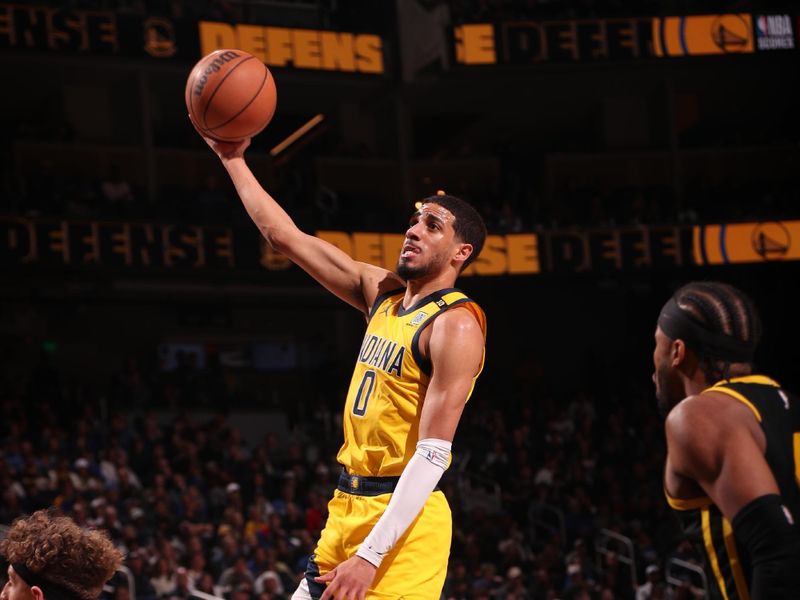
x=52 y=558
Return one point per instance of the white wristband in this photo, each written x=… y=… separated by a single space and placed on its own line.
x=418 y=480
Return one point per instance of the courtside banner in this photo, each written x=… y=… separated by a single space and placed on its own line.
x=106 y=33
x=740 y=243
x=530 y=42
x=41 y=243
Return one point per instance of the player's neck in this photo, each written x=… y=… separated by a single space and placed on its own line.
x=699 y=381
x=693 y=387
x=417 y=289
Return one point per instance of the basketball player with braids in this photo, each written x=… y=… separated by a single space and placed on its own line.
x=52 y=558
x=389 y=527
x=733 y=444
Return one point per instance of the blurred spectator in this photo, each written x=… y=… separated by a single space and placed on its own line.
x=137 y=563
x=650 y=588
x=164 y=579
x=117 y=193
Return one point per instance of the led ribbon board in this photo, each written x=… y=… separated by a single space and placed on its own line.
x=589 y=40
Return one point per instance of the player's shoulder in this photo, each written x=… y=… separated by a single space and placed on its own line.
x=457 y=339
x=700 y=418
x=463 y=320
x=455 y=299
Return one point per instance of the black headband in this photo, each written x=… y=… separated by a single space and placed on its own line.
x=52 y=591
x=678 y=324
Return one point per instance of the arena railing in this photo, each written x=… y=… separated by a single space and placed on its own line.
x=602 y=545
x=476 y=489
x=547 y=518
x=673 y=575
x=131 y=584
x=204 y=595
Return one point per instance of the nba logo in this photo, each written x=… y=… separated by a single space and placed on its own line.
x=774 y=32
x=418 y=318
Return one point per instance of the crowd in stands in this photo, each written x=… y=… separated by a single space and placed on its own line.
x=196 y=507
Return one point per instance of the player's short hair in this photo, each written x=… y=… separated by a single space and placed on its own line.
x=468 y=224
x=57 y=550
x=723 y=309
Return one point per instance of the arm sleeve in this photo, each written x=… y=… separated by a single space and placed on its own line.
x=419 y=479
x=768 y=531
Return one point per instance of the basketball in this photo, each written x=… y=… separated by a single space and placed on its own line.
x=230 y=95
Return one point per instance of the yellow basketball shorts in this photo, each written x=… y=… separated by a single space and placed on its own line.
x=414 y=569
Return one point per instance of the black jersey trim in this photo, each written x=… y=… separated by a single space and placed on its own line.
x=381 y=299
x=729 y=391
x=437 y=295
x=425 y=365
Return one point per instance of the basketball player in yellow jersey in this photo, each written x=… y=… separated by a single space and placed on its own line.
x=389 y=528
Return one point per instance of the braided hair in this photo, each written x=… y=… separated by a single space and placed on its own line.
x=724 y=309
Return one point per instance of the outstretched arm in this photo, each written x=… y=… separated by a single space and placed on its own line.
x=354 y=282
x=455 y=349
x=717 y=442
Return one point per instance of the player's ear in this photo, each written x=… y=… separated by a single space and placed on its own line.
x=37 y=593
x=677 y=352
x=463 y=253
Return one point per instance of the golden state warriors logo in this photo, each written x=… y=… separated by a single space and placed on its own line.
x=700 y=35
x=771 y=240
x=731 y=33
x=159 y=38
x=737 y=243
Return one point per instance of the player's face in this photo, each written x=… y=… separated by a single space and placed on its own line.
x=669 y=388
x=430 y=243
x=16 y=588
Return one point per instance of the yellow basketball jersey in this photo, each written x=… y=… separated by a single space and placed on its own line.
x=384 y=402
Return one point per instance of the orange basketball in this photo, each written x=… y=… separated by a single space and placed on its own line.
x=230 y=95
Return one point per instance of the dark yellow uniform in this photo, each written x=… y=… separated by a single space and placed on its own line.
x=727 y=565
x=381 y=430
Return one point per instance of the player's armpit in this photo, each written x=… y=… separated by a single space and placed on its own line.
x=376 y=281
x=712 y=440
x=455 y=350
